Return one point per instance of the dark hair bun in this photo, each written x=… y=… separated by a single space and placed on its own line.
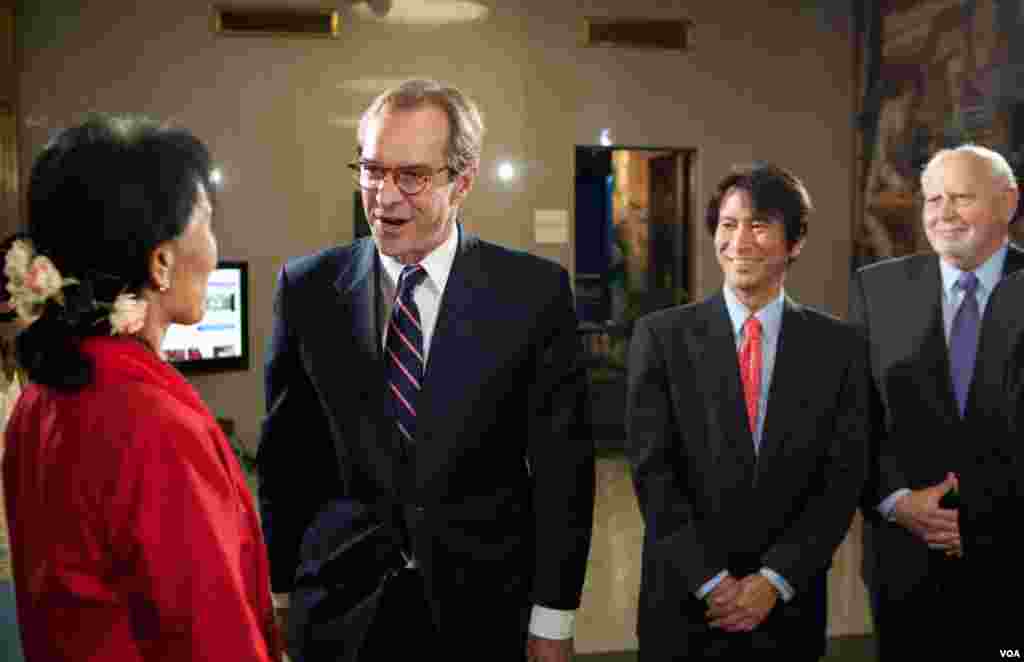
x=48 y=351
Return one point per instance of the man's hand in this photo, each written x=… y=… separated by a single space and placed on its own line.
x=919 y=513
x=721 y=600
x=539 y=649
x=757 y=597
x=956 y=551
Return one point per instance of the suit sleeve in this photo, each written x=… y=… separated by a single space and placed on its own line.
x=883 y=475
x=807 y=546
x=654 y=442
x=561 y=460
x=298 y=469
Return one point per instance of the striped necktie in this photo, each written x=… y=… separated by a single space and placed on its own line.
x=404 y=349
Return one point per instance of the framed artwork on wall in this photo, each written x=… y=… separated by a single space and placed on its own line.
x=933 y=74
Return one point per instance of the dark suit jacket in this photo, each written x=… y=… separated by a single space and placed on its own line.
x=918 y=435
x=708 y=502
x=993 y=481
x=495 y=499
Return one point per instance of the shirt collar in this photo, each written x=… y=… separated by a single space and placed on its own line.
x=438 y=263
x=770 y=315
x=989 y=273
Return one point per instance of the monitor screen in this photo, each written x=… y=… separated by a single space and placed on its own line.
x=220 y=341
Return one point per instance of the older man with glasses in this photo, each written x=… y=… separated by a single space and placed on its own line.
x=437 y=499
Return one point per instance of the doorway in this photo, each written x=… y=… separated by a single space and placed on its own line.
x=633 y=210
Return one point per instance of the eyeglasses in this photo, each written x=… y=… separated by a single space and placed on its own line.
x=410 y=181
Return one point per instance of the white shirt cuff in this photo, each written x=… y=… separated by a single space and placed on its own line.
x=280 y=600
x=548 y=623
x=785 y=590
x=888 y=505
x=710 y=584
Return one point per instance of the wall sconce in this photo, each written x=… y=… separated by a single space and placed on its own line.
x=506 y=171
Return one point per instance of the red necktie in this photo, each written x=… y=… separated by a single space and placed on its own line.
x=750 y=368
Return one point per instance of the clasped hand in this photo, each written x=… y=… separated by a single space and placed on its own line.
x=919 y=512
x=740 y=605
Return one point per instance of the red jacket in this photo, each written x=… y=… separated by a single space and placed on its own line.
x=133 y=534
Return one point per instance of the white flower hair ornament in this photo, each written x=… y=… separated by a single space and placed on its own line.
x=127 y=314
x=33 y=279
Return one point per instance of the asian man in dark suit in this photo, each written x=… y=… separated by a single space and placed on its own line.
x=420 y=486
x=921 y=316
x=747 y=429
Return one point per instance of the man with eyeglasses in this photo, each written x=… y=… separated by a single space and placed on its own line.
x=922 y=315
x=437 y=499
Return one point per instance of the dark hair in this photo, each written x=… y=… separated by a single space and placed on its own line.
x=101 y=197
x=773 y=191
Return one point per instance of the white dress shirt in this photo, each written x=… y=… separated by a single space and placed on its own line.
x=438 y=265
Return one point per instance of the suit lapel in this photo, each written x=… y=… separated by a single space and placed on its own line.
x=455 y=313
x=787 y=391
x=358 y=290
x=450 y=343
x=925 y=303
x=721 y=357
x=1014 y=260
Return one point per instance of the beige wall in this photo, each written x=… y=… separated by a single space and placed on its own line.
x=764 y=81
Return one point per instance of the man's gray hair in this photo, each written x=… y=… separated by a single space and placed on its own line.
x=465 y=123
x=998 y=165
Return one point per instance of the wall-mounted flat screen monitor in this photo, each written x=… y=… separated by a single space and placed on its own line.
x=220 y=341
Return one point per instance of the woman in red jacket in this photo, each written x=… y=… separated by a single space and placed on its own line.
x=133 y=534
